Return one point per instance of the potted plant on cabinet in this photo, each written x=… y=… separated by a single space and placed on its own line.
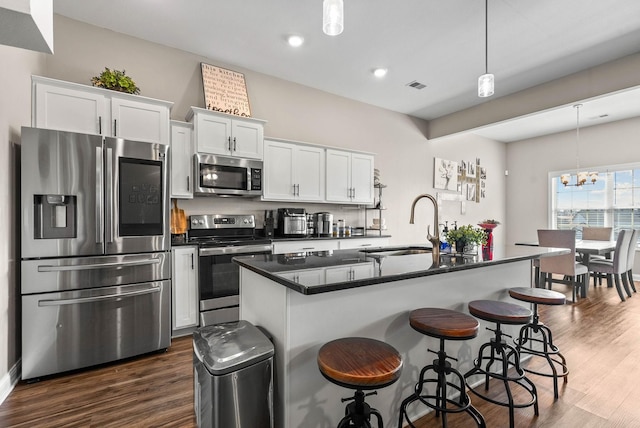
x=115 y=80
x=466 y=238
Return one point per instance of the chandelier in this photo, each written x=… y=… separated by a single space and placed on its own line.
x=581 y=176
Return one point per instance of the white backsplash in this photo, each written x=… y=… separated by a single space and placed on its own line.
x=352 y=216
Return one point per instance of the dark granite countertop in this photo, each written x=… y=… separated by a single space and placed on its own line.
x=380 y=266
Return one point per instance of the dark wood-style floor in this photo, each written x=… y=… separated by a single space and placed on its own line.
x=599 y=336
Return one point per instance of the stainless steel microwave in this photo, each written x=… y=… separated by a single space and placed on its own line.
x=227 y=176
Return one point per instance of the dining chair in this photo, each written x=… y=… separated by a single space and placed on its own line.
x=597 y=233
x=631 y=257
x=592 y=233
x=574 y=274
x=616 y=267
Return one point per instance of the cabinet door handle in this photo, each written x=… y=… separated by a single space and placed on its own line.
x=229 y=139
x=115 y=127
x=308 y=248
x=100 y=125
x=297 y=190
x=234 y=144
x=192 y=261
x=188 y=183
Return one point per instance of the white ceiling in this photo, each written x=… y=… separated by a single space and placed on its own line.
x=438 y=43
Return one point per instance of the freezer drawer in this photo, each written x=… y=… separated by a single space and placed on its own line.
x=51 y=275
x=76 y=329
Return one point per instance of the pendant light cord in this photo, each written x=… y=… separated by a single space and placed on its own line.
x=486 y=36
x=577 y=106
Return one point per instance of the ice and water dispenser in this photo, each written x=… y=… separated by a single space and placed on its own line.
x=55 y=216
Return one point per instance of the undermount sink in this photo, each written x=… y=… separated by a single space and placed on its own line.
x=397 y=251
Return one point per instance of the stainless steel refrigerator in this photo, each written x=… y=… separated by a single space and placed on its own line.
x=96 y=266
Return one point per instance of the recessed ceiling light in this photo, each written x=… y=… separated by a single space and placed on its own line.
x=295 y=41
x=380 y=72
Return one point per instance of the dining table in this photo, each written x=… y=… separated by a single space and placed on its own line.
x=585 y=247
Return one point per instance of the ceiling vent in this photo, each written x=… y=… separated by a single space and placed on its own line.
x=416 y=84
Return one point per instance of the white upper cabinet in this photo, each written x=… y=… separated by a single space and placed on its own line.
x=223 y=134
x=293 y=171
x=67 y=108
x=349 y=177
x=182 y=151
x=139 y=120
x=73 y=107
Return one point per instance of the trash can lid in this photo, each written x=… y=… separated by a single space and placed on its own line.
x=231 y=346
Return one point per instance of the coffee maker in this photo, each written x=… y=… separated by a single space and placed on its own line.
x=292 y=222
x=324 y=223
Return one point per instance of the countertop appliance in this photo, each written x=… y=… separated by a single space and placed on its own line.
x=96 y=267
x=292 y=222
x=324 y=223
x=227 y=176
x=220 y=237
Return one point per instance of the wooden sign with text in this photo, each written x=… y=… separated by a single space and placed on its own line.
x=225 y=91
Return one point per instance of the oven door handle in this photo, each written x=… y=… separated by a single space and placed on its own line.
x=243 y=249
x=49 y=268
x=116 y=296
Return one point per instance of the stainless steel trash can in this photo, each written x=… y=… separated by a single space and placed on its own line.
x=233 y=376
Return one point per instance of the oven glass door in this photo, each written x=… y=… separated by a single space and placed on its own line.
x=223 y=177
x=219 y=279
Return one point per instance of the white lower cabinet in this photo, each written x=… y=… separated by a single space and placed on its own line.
x=349 y=272
x=352 y=243
x=184 y=263
x=307 y=277
x=305 y=246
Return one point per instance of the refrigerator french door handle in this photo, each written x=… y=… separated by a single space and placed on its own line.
x=60 y=302
x=109 y=197
x=50 y=268
x=99 y=196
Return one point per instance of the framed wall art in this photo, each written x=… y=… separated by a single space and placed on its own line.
x=225 y=91
x=445 y=174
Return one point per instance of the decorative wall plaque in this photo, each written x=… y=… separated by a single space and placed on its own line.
x=225 y=91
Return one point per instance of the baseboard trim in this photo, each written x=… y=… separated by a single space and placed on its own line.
x=10 y=380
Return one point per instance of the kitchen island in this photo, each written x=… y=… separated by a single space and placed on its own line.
x=307 y=299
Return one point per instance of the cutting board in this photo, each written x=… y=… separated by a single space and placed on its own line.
x=178 y=220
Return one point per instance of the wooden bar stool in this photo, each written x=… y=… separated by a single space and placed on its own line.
x=502 y=353
x=543 y=341
x=362 y=364
x=443 y=324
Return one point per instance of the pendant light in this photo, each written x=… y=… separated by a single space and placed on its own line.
x=485 y=82
x=581 y=176
x=332 y=17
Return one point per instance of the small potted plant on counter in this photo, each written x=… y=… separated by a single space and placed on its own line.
x=467 y=238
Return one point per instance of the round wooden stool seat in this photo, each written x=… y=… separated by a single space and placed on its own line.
x=359 y=363
x=501 y=312
x=540 y=296
x=444 y=323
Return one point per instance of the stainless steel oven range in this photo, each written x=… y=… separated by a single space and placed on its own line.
x=96 y=267
x=220 y=237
